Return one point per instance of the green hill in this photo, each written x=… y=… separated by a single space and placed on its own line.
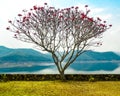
x=20 y=59
x=21 y=55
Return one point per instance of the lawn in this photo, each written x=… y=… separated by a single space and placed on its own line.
x=57 y=88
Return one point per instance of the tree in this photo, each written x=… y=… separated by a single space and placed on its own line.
x=65 y=33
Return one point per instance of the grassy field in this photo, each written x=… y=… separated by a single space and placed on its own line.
x=57 y=88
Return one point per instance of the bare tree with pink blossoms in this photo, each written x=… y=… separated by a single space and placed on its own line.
x=64 y=33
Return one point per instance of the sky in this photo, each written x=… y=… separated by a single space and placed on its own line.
x=107 y=10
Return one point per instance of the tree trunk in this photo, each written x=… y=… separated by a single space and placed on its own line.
x=62 y=75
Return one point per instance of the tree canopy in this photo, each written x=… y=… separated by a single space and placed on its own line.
x=65 y=33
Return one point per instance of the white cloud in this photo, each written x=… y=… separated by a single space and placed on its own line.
x=111 y=36
x=97 y=10
x=10 y=8
x=101 y=13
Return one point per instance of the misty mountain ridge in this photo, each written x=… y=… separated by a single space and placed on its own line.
x=29 y=60
x=21 y=55
x=30 y=55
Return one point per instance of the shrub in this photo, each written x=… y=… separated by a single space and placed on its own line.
x=4 y=78
x=92 y=79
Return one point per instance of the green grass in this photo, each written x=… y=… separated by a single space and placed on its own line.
x=57 y=88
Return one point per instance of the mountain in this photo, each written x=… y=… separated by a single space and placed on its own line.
x=94 y=61
x=30 y=55
x=21 y=55
x=92 y=55
x=29 y=60
x=4 y=50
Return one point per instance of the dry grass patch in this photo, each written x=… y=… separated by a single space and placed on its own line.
x=57 y=88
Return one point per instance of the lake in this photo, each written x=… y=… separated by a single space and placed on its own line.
x=82 y=67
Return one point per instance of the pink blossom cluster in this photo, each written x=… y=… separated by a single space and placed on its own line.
x=67 y=17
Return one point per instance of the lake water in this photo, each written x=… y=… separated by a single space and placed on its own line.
x=50 y=68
